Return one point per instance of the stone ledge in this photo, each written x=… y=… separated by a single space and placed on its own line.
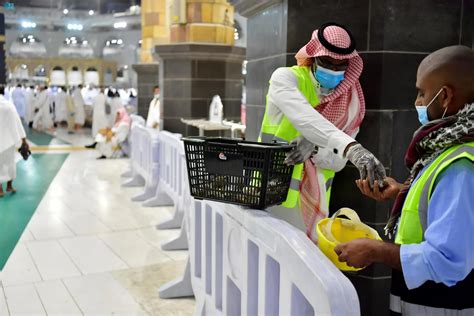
x=200 y=52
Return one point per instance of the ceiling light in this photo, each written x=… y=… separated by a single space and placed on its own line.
x=65 y=11
x=84 y=42
x=28 y=24
x=75 y=27
x=32 y=40
x=91 y=12
x=119 y=41
x=120 y=25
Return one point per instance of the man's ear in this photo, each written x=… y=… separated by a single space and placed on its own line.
x=447 y=97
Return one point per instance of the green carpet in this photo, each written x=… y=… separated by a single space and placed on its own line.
x=42 y=139
x=33 y=179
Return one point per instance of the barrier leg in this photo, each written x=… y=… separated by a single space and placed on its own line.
x=175 y=220
x=135 y=181
x=178 y=243
x=147 y=194
x=160 y=199
x=127 y=174
x=180 y=287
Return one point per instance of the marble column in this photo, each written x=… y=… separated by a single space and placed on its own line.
x=393 y=36
x=155 y=26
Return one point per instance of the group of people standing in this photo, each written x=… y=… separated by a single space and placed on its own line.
x=44 y=108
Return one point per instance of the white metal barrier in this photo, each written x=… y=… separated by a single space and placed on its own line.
x=147 y=163
x=173 y=183
x=135 y=180
x=246 y=262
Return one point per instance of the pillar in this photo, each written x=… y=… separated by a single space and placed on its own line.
x=155 y=16
x=155 y=27
x=199 y=63
x=392 y=38
x=2 y=47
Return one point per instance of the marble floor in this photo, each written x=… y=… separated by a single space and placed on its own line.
x=90 y=250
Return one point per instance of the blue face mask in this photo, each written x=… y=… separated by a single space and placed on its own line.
x=423 y=110
x=328 y=78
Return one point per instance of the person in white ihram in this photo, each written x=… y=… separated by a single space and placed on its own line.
x=80 y=114
x=12 y=135
x=60 y=106
x=29 y=105
x=109 y=141
x=101 y=112
x=18 y=99
x=153 y=118
x=42 y=119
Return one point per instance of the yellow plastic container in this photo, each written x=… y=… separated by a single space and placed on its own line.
x=333 y=231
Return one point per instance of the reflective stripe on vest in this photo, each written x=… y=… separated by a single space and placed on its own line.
x=397 y=305
x=284 y=131
x=414 y=218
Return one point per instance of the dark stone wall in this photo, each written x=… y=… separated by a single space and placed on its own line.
x=393 y=36
x=2 y=49
x=191 y=74
x=147 y=79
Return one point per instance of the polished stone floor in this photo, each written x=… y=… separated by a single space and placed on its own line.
x=90 y=250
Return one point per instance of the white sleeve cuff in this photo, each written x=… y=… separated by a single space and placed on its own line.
x=338 y=141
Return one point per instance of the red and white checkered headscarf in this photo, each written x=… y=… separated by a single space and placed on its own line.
x=335 y=107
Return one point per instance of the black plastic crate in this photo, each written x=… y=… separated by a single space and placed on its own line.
x=238 y=172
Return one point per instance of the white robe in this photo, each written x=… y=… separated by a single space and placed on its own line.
x=80 y=114
x=30 y=105
x=115 y=105
x=108 y=147
x=100 y=119
x=154 y=113
x=60 y=106
x=11 y=134
x=43 y=119
x=18 y=99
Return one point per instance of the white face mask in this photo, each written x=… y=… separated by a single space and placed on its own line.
x=157 y=96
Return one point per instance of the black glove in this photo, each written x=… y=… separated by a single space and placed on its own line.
x=369 y=166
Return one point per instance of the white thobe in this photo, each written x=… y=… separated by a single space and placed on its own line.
x=11 y=134
x=100 y=119
x=43 y=119
x=18 y=99
x=154 y=113
x=285 y=99
x=108 y=147
x=80 y=114
x=115 y=105
x=60 y=106
x=30 y=105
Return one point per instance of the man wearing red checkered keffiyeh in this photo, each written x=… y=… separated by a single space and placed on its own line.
x=319 y=105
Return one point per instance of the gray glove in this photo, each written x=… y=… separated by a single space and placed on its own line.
x=369 y=166
x=302 y=151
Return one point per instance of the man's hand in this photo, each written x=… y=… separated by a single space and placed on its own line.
x=362 y=252
x=369 y=166
x=390 y=190
x=358 y=253
x=302 y=151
